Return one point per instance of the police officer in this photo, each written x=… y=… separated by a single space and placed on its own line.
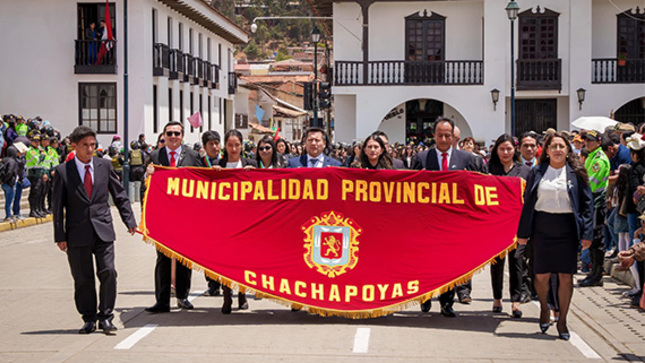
x=50 y=144
x=36 y=174
x=598 y=167
x=21 y=126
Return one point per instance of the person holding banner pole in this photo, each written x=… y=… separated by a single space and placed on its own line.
x=505 y=161
x=557 y=214
x=173 y=155
x=445 y=158
x=233 y=159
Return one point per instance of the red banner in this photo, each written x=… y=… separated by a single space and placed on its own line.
x=346 y=242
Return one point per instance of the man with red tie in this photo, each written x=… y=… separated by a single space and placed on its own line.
x=83 y=227
x=174 y=154
x=445 y=158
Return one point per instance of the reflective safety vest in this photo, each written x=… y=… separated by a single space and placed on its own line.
x=52 y=157
x=34 y=157
x=598 y=167
x=22 y=129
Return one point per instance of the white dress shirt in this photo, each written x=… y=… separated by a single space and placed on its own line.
x=440 y=157
x=319 y=164
x=81 y=169
x=553 y=196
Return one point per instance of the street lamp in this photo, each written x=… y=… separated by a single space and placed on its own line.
x=581 y=97
x=315 y=37
x=494 y=93
x=511 y=10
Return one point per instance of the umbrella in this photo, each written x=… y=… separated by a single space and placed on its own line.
x=598 y=123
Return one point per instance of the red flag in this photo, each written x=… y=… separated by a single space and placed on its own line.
x=276 y=135
x=107 y=37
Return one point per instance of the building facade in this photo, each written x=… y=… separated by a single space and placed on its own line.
x=450 y=58
x=180 y=61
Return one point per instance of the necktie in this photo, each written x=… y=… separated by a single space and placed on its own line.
x=529 y=164
x=87 y=181
x=173 y=162
x=313 y=162
x=444 y=163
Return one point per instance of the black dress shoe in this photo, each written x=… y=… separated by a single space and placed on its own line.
x=107 y=326
x=465 y=298
x=497 y=309
x=590 y=283
x=425 y=306
x=517 y=314
x=88 y=327
x=158 y=308
x=184 y=304
x=447 y=311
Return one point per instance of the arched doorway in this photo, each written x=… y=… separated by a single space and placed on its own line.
x=633 y=111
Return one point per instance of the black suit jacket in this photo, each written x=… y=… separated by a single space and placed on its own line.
x=459 y=160
x=188 y=157
x=77 y=216
x=301 y=162
x=579 y=196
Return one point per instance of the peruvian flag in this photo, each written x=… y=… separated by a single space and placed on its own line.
x=107 y=37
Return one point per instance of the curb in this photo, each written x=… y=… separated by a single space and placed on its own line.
x=31 y=221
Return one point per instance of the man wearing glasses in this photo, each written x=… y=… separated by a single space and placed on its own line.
x=173 y=154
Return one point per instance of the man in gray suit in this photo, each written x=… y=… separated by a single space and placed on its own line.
x=315 y=143
x=83 y=227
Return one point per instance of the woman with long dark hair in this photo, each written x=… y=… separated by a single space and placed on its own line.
x=354 y=155
x=505 y=161
x=268 y=156
x=232 y=159
x=374 y=155
x=557 y=215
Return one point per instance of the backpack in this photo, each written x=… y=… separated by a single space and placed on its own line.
x=136 y=158
x=4 y=171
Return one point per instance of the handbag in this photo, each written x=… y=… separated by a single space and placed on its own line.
x=640 y=207
x=622 y=211
x=25 y=183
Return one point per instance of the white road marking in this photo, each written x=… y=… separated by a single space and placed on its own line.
x=133 y=339
x=361 y=340
x=583 y=347
x=579 y=343
x=141 y=333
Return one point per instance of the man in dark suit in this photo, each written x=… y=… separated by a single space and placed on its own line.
x=83 y=227
x=443 y=158
x=315 y=143
x=397 y=163
x=174 y=154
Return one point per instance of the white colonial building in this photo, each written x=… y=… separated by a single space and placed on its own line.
x=180 y=61
x=401 y=64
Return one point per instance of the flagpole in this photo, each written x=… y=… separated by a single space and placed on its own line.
x=126 y=164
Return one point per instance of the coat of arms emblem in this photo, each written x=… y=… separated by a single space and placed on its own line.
x=331 y=243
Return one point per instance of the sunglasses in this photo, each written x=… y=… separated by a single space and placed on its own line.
x=173 y=133
x=162 y=141
x=265 y=148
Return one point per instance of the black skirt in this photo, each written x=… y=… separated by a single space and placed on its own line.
x=555 y=243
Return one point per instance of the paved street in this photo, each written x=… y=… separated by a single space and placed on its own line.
x=40 y=323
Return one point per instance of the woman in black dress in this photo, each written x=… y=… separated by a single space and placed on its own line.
x=505 y=161
x=557 y=215
x=373 y=155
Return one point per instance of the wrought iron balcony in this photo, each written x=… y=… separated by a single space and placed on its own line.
x=160 y=60
x=611 y=70
x=95 y=57
x=189 y=68
x=385 y=73
x=232 y=83
x=201 y=72
x=214 y=76
x=176 y=65
x=539 y=74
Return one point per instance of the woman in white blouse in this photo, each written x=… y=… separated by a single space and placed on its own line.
x=557 y=215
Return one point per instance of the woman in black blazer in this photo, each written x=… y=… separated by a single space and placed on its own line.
x=374 y=155
x=557 y=215
x=505 y=161
x=268 y=156
x=233 y=159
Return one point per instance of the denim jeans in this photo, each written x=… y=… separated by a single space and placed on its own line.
x=8 y=198
x=16 y=199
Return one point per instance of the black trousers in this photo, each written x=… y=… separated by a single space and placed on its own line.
x=82 y=268
x=163 y=277
x=515 y=273
x=36 y=192
x=46 y=194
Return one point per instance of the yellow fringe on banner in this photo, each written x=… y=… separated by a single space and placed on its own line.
x=351 y=314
